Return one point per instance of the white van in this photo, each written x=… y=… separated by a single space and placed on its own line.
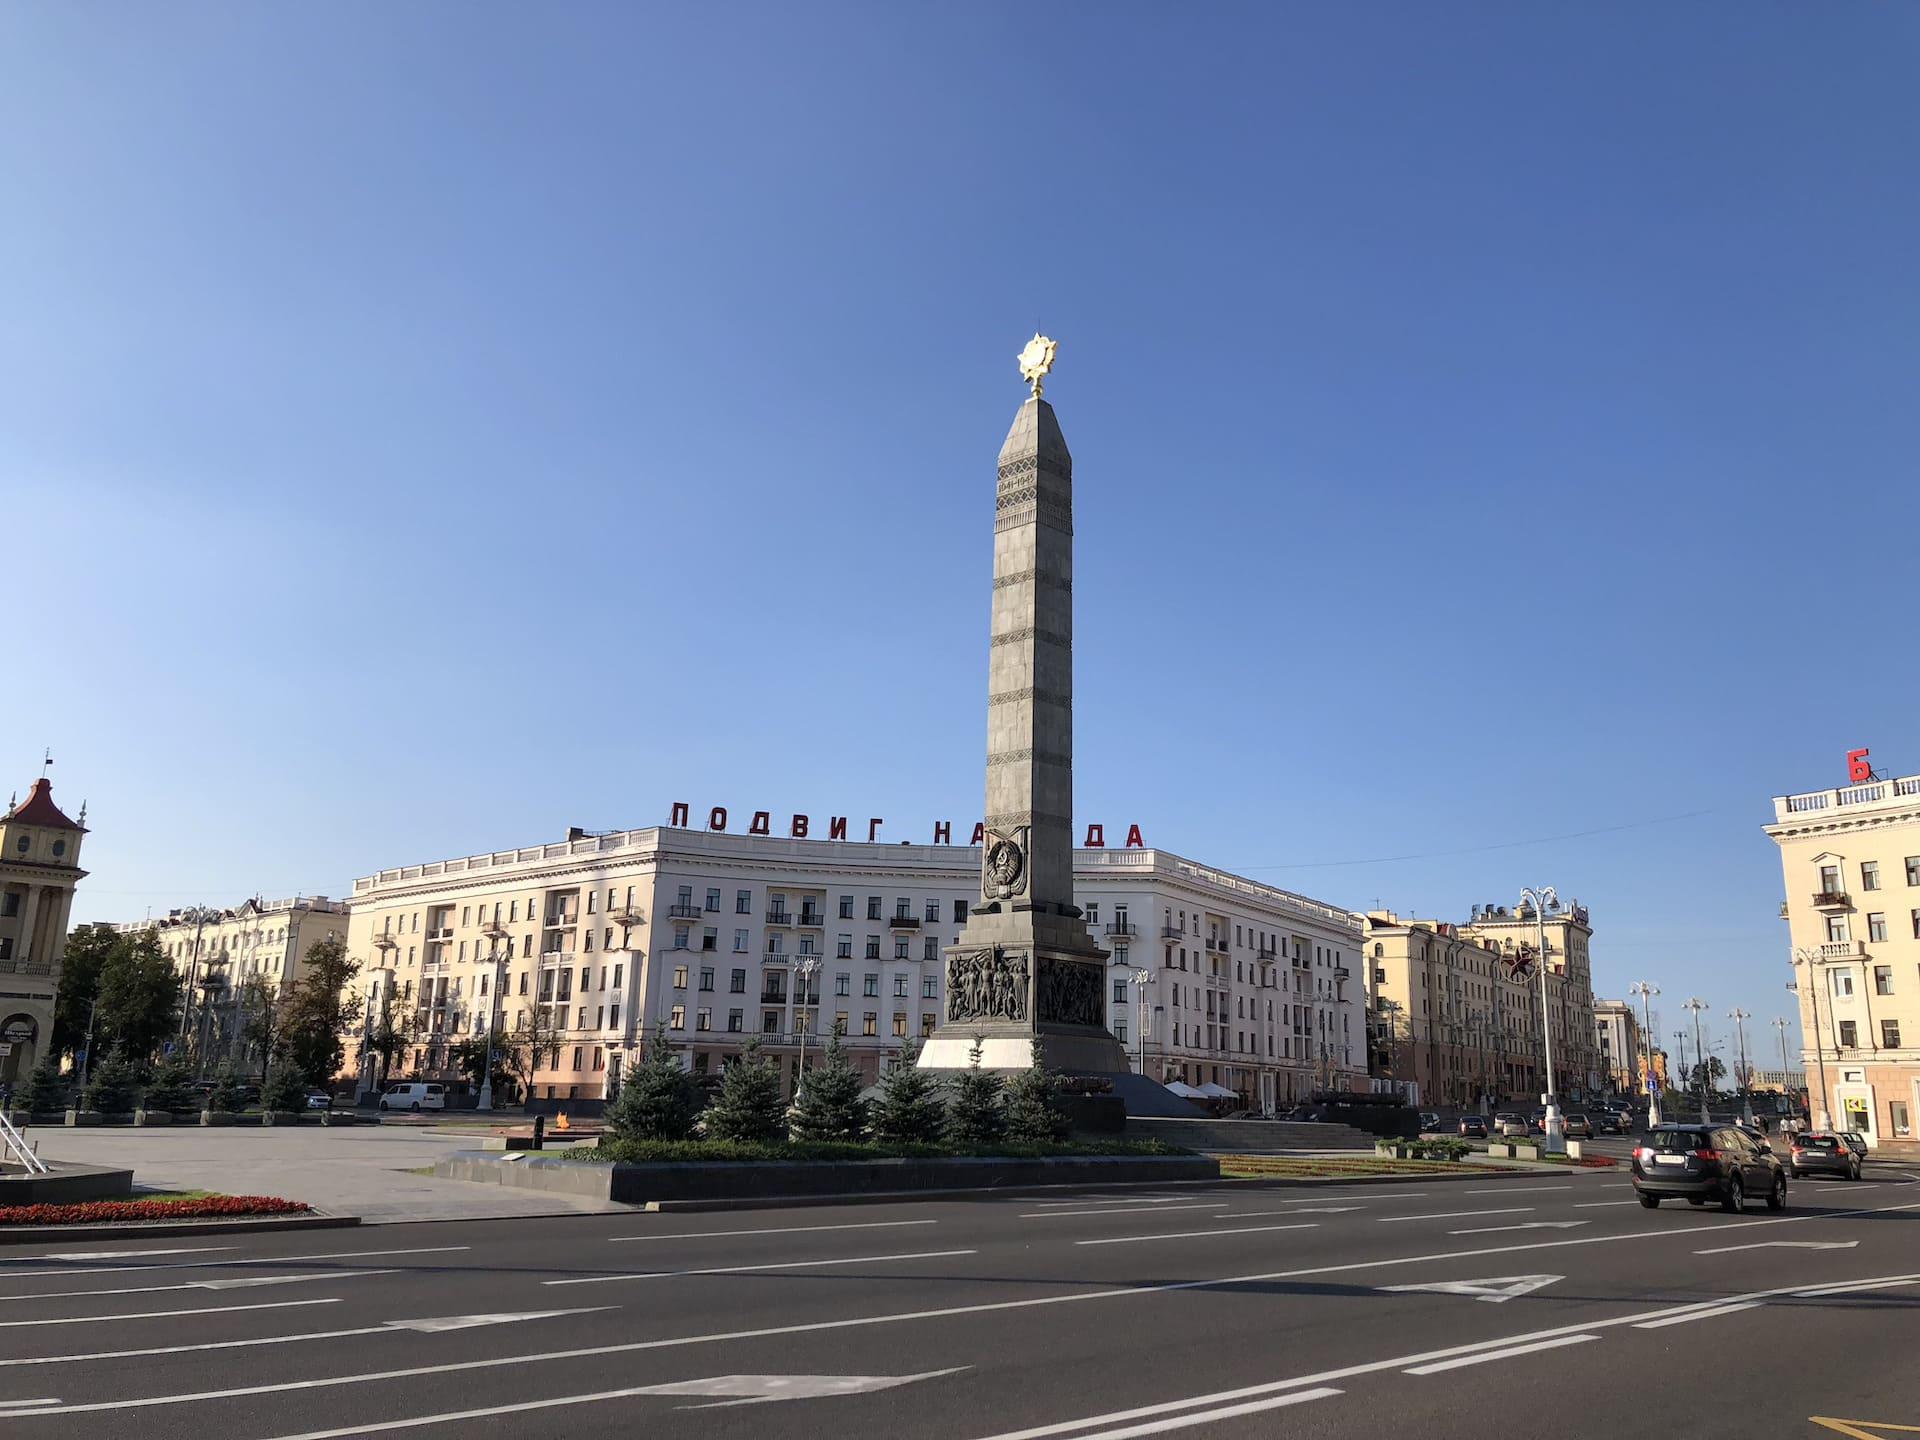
x=414 y=1095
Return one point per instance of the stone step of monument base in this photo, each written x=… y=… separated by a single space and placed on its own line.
x=1249 y=1137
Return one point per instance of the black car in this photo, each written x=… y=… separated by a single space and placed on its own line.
x=1818 y=1153
x=1474 y=1126
x=1698 y=1163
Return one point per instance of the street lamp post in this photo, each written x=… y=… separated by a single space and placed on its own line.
x=1680 y=1039
x=199 y=915
x=1696 y=1005
x=804 y=971
x=1539 y=900
x=1811 y=958
x=1646 y=993
x=1740 y=1018
x=494 y=932
x=1139 y=979
x=1779 y=1023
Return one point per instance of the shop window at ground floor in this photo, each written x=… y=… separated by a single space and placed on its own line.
x=1899 y=1119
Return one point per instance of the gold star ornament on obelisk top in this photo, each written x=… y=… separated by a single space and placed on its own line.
x=1037 y=360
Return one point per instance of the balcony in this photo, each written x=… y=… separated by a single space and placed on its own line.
x=1783 y=909
x=626 y=915
x=685 y=910
x=384 y=941
x=1167 y=932
x=1832 y=900
x=903 y=922
x=1842 y=950
x=1267 y=953
x=442 y=934
x=779 y=917
x=813 y=920
x=1123 y=930
x=768 y=997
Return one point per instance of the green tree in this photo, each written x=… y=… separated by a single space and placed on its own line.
x=286 y=1088
x=535 y=1044
x=87 y=951
x=909 y=1110
x=316 y=1013
x=392 y=1033
x=111 y=1086
x=227 y=1093
x=658 y=1100
x=975 y=1115
x=168 y=1088
x=139 y=998
x=46 y=1088
x=1035 y=1114
x=258 y=1007
x=829 y=1106
x=749 y=1107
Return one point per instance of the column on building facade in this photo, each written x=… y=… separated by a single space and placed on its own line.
x=29 y=915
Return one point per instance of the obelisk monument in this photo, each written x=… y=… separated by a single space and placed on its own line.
x=1026 y=971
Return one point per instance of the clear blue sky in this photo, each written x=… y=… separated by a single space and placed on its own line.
x=426 y=427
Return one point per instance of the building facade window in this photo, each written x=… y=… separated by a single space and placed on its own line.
x=743 y=902
x=1877 y=928
x=713 y=899
x=1883 y=979
x=1849 y=1035
x=677 y=1018
x=870 y=1023
x=1889 y=1034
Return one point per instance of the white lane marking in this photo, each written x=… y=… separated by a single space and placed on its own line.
x=1507 y=1354
x=1710 y=1313
x=1523 y=1225
x=1104 y=1200
x=988 y=1307
x=1455 y=1215
x=1495 y=1290
x=1304 y=1210
x=158 y=1315
x=1601 y=1204
x=222 y=1264
x=429 y=1327
x=1848 y=1287
x=1038 y=1432
x=110 y=1254
x=29 y=1407
x=774 y=1230
x=1060 y=1214
x=1207 y=1417
x=1783 y=1245
x=755 y=1389
x=1561 y=1189
x=751 y=1269
x=1195 y=1234
x=236 y=1284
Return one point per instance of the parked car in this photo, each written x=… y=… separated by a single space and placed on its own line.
x=1511 y=1125
x=319 y=1100
x=1577 y=1125
x=414 y=1095
x=1698 y=1163
x=1820 y=1153
x=1429 y=1121
x=1474 y=1126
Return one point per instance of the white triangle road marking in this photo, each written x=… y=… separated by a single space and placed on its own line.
x=760 y=1389
x=1495 y=1290
x=1529 y=1225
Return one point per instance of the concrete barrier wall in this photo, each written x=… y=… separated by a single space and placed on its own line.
x=1244 y=1137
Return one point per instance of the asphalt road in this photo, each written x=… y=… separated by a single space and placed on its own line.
x=1430 y=1309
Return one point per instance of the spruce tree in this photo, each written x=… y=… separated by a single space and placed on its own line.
x=286 y=1088
x=167 y=1090
x=909 y=1110
x=657 y=1100
x=1035 y=1115
x=111 y=1087
x=829 y=1106
x=975 y=1115
x=749 y=1108
x=46 y=1088
x=227 y=1093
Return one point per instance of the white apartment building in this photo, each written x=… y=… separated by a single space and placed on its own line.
x=720 y=938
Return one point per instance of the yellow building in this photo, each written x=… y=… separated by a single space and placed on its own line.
x=1851 y=860
x=39 y=867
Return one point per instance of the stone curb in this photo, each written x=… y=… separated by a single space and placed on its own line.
x=41 y=1234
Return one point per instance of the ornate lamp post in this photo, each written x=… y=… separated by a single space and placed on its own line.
x=1139 y=978
x=494 y=933
x=804 y=971
x=1696 y=1005
x=1539 y=901
x=1740 y=1018
x=1645 y=993
x=1803 y=955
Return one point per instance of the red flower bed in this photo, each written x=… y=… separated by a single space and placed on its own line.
x=95 y=1211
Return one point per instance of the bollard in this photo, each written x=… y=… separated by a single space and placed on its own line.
x=539 y=1131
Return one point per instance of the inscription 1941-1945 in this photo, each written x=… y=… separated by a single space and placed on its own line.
x=987 y=985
